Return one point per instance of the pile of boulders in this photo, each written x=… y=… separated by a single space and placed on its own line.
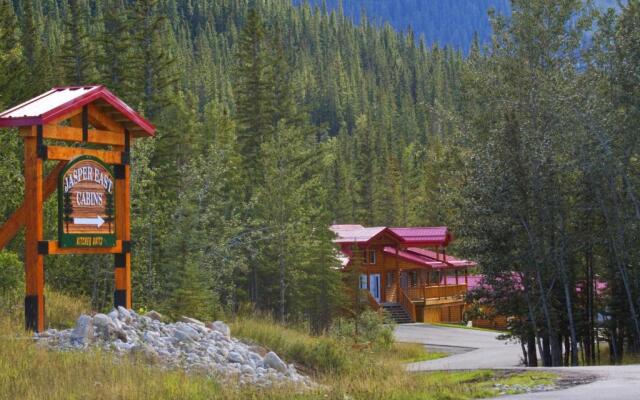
x=188 y=344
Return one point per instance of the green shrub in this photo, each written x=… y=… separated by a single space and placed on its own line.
x=62 y=310
x=315 y=353
x=370 y=326
x=11 y=281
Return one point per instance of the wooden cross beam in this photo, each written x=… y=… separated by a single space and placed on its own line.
x=17 y=220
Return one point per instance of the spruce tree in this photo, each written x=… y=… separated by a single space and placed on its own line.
x=11 y=57
x=152 y=62
x=192 y=297
x=254 y=97
x=34 y=52
x=115 y=58
x=78 y=55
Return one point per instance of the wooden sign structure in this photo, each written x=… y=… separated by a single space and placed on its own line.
x=93 y=184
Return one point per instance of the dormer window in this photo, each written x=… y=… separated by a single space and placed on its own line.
x=370 y=256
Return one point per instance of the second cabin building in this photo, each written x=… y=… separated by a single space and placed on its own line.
x=407 y=271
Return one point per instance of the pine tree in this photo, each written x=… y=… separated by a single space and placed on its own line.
x=11 y=57
x=192 y=297
x=254 y=93
x=109 y=210
x=33 y=51
x=115 y=58
x=67 y=209
x=153 y=64
x=77 y=57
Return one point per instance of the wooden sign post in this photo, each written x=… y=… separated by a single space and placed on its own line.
x=93 y=184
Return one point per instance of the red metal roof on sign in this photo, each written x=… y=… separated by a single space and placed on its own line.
x=59 y=101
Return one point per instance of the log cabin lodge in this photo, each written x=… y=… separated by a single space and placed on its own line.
x=407 y=271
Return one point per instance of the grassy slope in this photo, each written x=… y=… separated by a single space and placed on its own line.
x=28 y=371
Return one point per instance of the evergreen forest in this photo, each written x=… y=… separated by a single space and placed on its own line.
x=276 y=120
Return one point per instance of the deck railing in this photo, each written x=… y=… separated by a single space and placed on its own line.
x=391 y=294
x=373 y=303
x=435 y=292
x=407 y=304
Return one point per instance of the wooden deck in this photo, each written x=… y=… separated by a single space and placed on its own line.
x=428 y=303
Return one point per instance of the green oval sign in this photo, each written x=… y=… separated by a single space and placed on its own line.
x=86 y=204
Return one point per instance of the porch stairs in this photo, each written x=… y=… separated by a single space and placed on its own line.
x=397 y=313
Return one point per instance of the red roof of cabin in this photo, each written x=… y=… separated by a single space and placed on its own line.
x=424 y=236
x=429 y=258
x=415 y=258
x=450 y=260
x=55 y=103
x=359 y=234
x=419 y=236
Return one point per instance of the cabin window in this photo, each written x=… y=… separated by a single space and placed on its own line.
x=363 y=281
x=435 y=279
x=372 y=256
x=390 y=279
x=414 y=278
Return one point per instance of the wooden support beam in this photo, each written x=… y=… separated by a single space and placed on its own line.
x=70 y=115
x=122 y=262
x=54 y=248
x=101 y=120
x=97 y=136
x=69 y=153
x=74 y=134
x=17 y=220
x=34 y=262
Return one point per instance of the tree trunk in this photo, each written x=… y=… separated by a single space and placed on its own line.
x=531 y=350
x=546 y=352
x=282 y=277
x=551 y=335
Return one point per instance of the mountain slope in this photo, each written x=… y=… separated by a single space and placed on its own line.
x=451 y=22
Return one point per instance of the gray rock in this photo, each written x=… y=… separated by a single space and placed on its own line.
x=124 y=314
x=235 y=357
x=191 y=321
x=121 y=335
x=154 y=315
x=113 y=314
x=272 y=360
x=83 y=332
x=256 y=359
x=221 y=327
x=101 y=321
x=185 y=333
x=247 y=369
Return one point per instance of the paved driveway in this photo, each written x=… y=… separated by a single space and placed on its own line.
x=613 y=383
x=475 y=349
x=470 y=348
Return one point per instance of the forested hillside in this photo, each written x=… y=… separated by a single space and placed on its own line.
x=447 y=23
x=272 y=124
x=275 y=121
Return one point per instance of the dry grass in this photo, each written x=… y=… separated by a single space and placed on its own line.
x=28 y=371
x=414 y=352
x=627 y=358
